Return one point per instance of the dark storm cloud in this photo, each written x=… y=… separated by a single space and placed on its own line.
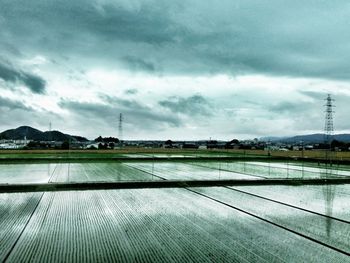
x=290 y=108
x=296 y=110
x=131 y=92
x=78 y=21
x=315 y=95
x=134 y=113
x=35 y=83
x=138 y=64
x=9 y=48
x=194 y=105
x=8 y=104
x=294 y=38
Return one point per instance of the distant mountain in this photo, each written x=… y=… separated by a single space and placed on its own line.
x=37 y=135
x=310 y=138
x=271 y=138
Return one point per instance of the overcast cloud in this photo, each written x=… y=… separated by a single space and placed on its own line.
x=186 y=69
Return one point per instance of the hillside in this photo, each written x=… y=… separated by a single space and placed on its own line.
x=37 y=135
x=311 y=138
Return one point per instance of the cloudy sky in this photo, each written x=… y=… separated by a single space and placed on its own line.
x=180 y=69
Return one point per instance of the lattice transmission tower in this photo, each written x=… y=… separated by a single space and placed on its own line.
x=120 y=128
x=50 y=130
x=328 y=189
x=328 y=127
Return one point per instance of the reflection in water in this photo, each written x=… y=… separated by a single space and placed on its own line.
x=302 y=169
x=328 y=194
x=49 y=172
x=68 y=172
x=152 y=168
x=119 y=178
